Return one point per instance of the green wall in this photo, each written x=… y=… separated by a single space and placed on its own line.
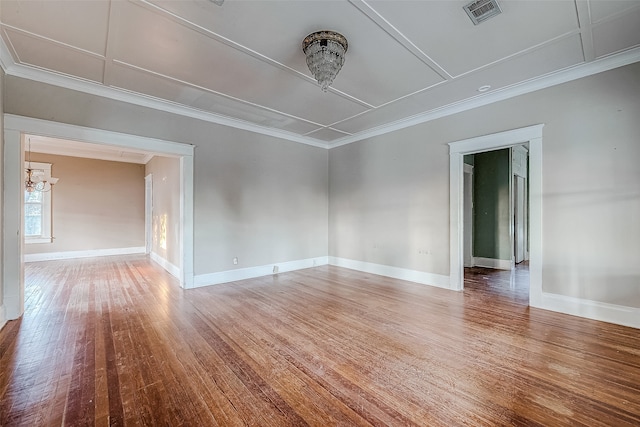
x=491 y=205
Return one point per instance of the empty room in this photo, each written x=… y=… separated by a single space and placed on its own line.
x=320 y=212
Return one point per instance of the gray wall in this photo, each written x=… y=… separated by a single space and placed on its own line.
x=258 y=198
x=165 y=221
x=389 y=194
x=389 y=200
x=97 y=204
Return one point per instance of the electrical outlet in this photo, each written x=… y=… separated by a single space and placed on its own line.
x=235 y=261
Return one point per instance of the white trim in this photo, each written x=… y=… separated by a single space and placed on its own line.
x=170 y=268
x=501 y=264
x=14 y=128
x=259 y=271
x=95 y=136
x=50 y=256
x=33 y=240
x=421 y=277
x=457 y=150
x=186 y=226
x=12 y=224
x=604 y=312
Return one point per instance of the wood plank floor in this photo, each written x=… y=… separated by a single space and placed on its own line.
x=115 y=341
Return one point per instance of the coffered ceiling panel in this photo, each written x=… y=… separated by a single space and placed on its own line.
x=241 y=64
x=40 y=52
x=429 y=25
x=607 y=9
x=613 y=35
x=77 y=23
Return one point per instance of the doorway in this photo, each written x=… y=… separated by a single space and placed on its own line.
x=532 y=136
x=15 y=127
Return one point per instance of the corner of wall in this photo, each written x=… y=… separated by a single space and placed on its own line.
x=170 y=268
x=3 y=318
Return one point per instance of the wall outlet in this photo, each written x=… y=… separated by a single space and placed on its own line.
x=275 y=269
x=235 y=261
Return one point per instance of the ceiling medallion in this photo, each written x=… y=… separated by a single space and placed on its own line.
x=325 y=55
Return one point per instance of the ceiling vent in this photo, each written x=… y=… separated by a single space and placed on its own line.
x=481 y=10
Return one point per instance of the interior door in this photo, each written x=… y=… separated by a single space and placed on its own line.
x=468 y=216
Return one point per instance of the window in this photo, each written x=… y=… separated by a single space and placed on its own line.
x=37 y=208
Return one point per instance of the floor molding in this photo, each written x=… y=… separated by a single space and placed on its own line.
x=169 y=267
x=50 y=256
x=500 y=264
x=259 y=271
x=595 y=310
x=421 y=277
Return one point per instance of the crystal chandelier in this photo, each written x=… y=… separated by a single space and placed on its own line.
x=325 y=55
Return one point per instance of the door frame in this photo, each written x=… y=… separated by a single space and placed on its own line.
x=506 y=139
x=468 y=231
x=15 y=127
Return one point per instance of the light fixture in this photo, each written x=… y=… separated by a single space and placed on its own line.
x=325 y=55
x=35 y=180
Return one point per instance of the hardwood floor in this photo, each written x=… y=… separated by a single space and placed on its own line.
x=115 y=341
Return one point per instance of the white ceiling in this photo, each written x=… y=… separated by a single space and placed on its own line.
x=242 y=64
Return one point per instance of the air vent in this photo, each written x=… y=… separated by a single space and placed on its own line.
x=481 y=10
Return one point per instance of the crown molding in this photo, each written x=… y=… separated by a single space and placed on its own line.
x=553 y=79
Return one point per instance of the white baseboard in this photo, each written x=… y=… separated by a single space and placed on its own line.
x=500 y=264
x=50 y=256
x=3 y=318
x=172 y=269
x=259 y=271
x=421 y=277
x=604 y=312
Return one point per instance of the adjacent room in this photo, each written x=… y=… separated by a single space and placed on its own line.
x=273 y=213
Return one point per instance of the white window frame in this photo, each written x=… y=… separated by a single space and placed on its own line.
x=47 y=216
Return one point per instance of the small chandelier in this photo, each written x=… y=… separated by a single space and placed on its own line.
x=34 y=180
x=325 y=55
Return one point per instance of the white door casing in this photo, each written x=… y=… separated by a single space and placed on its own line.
x=531 y=135
x=14 y=129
